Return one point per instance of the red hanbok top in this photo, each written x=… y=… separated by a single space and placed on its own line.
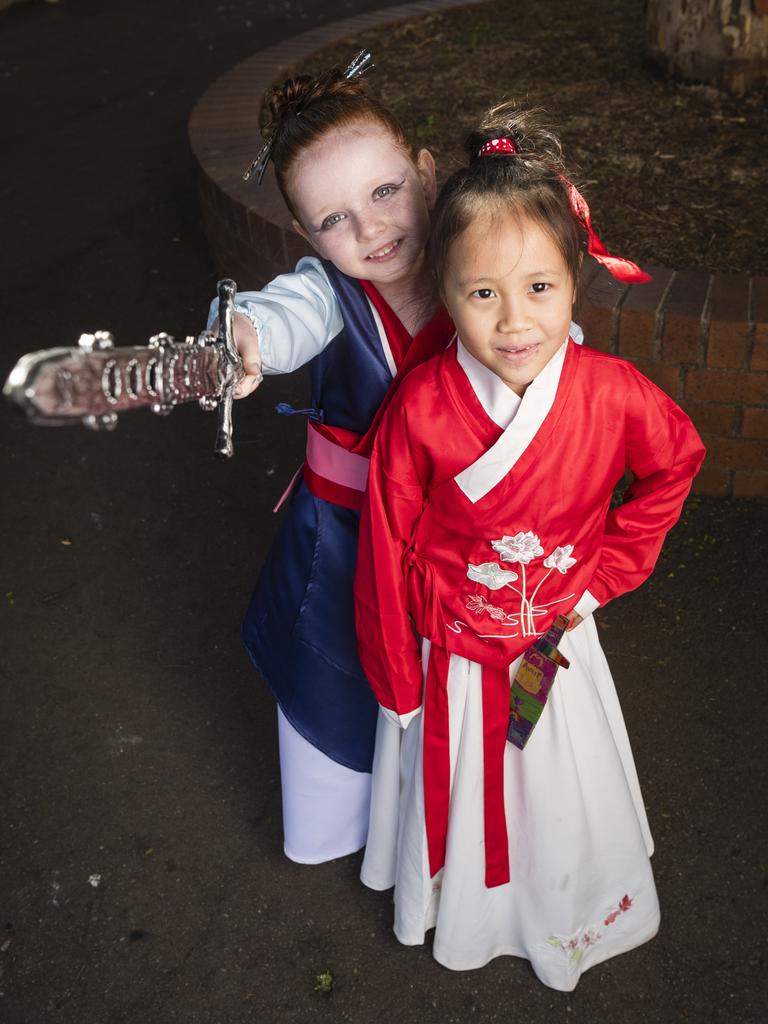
x=482 y=574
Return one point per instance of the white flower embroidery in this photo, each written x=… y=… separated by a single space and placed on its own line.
x=491 y=575
x=560 y=559
x=523 y=547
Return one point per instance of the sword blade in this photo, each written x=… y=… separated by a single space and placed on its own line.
x=94 y=382
x=59 y=386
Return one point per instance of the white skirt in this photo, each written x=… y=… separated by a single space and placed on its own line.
x=325 y=804
x=581 y=887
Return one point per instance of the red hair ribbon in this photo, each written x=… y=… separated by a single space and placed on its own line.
x=622 y=269
x=497 y=146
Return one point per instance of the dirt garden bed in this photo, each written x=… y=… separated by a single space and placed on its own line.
x=675 y=174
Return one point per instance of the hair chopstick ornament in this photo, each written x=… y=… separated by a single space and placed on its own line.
x=259 y=165
x=361 y=63
x=622 y=269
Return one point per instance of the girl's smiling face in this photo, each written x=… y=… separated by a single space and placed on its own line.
x=362 y=203
x=510 y=294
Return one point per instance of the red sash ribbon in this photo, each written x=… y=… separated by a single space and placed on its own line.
x=333 y=470
x=437 y=765
x=423 y=594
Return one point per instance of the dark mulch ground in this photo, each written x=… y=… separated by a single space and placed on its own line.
x=125 y=754
x=675 y=174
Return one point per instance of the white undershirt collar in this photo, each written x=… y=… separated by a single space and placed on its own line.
x=500 y=402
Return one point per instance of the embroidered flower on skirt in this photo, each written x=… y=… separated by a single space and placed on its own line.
x=575 y=946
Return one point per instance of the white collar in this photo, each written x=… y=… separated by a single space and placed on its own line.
x=499 y=401
x=529 y=413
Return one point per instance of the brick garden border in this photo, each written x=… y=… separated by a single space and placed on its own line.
x=701 y=337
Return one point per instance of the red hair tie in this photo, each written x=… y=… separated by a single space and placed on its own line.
x=622 y=269
x=502 y=145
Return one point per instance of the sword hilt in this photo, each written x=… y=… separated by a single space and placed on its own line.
x=232 y=368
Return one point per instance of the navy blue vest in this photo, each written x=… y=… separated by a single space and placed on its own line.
x=299 y=628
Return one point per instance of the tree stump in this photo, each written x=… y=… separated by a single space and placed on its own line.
x=718 y=42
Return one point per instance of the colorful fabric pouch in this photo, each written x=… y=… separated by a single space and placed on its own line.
x=533 y=681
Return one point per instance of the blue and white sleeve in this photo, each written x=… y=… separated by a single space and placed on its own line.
x=295 y=315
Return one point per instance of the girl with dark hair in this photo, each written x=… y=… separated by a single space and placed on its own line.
x=361 y=313
x=509 y=822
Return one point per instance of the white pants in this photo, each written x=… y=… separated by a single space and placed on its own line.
x=325 y=804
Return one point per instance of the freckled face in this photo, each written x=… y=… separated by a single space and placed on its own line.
x=510 y=294
x=362 y=203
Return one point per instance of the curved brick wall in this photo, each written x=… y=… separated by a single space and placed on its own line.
x=702 y=337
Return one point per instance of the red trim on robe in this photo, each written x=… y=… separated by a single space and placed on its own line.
x=397 y=335
x=434 y=337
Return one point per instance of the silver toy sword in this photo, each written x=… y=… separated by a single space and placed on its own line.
x=92 y=383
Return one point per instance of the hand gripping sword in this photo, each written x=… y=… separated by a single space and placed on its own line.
x=94 y=382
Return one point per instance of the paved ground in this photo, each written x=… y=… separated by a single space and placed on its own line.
x=141 y=868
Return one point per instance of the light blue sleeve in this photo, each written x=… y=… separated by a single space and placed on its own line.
x=295 y=316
